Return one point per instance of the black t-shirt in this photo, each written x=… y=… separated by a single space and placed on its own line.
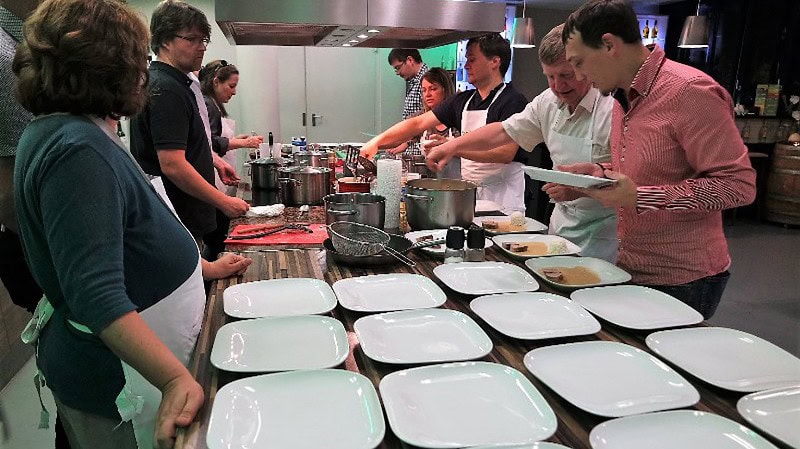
x=171 y=121
x=507 y=104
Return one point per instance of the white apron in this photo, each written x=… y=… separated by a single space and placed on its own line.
x=585 y=222
x=228 y=130
x=176 y=320
x=503 y=184
x=453 y=168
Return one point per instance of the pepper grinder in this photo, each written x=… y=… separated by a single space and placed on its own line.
x=454 y=245
x=476 y=239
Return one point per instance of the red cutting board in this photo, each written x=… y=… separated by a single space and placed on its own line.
x=287 y=237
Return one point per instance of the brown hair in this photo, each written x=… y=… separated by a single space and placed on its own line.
x=439 y=76
x=598 y=17
x=220 y=70
x=492 y=45
x=82 y=57
x=551 y=48
x=172 y=16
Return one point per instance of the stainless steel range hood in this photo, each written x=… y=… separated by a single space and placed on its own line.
x=356 y=23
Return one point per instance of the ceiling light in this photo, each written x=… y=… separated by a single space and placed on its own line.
x=362 y=36
x=695 y=31
x=373 y=31
x=524 y=36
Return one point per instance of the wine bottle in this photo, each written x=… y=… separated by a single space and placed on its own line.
x=646 y=30
x=654 y=30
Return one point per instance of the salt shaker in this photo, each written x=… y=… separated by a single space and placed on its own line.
x=476 y=239
x=454 y=245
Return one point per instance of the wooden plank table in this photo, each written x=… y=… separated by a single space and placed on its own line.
x=574 y=424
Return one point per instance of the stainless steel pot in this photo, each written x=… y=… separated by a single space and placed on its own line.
x=364 y=208
x=304 y=185
x=265 y=173
x=440 y=203
x=310 y=158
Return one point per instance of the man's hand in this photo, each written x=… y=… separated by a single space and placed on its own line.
x=621 y=194
x=560 y=193
x=370 y=149
x=225 y=266
x=583 y=168
x=234 y=207
x=438 y=152
x=181 y=398
x=226 y=172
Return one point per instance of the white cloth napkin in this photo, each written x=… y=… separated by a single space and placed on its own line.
x=272 y=210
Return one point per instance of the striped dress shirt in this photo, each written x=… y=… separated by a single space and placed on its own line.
x=675 y=137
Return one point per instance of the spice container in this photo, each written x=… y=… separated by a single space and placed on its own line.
x=476 y=238
x=454 y=245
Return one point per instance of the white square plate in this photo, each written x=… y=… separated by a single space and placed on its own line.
x=331 y=409
x=678 y=429
x=531 y=225
x=607 y=272
x=421 y=336
x=776 y=412
x=636 y=307
x=465 y=404
x=609 y=378
x=556 y=246
x=280 y=344
x=437 y=234
x=540 y=445
x=534 y=316
x=278 y=297
x=485 y=278
x=567 y=179
x=387 y=292
x=728 y=358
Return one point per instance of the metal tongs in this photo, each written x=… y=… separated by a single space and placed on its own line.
x=253 y=233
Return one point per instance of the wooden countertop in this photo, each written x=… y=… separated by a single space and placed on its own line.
x=574 y=424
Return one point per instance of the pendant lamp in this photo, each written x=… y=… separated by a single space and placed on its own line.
x=695 y=31
x=524 y=36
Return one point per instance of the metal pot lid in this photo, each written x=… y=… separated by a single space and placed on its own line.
x=441 y=184
x=268 y=161
x=305 y=170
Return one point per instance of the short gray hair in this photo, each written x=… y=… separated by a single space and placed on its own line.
x=551 y=48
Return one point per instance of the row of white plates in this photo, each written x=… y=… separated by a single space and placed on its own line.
x=425 y=336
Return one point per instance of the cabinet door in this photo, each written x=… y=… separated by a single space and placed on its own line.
x=341 y=86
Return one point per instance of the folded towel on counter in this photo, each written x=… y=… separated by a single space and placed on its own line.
x=272 y=210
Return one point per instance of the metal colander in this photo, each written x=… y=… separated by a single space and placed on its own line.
x=356 y=239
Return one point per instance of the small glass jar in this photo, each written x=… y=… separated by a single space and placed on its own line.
x=476 y=240
x=454 y=245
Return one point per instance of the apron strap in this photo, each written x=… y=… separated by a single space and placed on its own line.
x=30 y=335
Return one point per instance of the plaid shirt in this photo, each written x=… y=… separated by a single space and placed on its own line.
x=413 y=102
x=13 y=118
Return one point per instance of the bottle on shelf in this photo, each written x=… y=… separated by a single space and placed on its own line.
x=646 y=30
x=654 y=30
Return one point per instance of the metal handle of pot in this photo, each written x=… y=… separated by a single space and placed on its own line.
x=342 y=212
x=288 y=180
x=418 y=197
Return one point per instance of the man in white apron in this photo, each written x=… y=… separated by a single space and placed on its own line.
x=488 y=58
x=573 y=119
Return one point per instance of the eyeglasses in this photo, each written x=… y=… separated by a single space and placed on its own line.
x=195 y=39
x=398 y=66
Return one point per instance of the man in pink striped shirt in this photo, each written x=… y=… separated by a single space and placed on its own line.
x=676 y=155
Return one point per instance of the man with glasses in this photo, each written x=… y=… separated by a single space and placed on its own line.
x=169 y=138
x=407 y=64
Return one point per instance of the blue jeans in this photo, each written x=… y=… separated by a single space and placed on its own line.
x=702 y=295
